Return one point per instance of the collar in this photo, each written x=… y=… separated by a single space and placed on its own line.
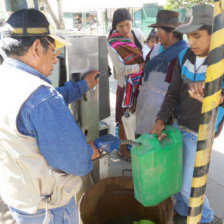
x=20 y=65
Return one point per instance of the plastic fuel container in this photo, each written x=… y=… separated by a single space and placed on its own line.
x=157 y=167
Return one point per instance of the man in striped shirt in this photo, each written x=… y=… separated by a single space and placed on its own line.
x=191 y=68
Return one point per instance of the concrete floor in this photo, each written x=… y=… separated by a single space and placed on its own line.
x=215 y=184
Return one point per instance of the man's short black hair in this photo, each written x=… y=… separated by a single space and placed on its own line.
x=208 y=28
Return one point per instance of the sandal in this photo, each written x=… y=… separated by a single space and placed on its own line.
x=128 y=159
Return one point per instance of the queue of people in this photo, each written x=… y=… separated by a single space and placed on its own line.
x=171 y=89
x=43 y=149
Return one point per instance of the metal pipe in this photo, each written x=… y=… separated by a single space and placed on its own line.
x=130 y=142
x=210 y=105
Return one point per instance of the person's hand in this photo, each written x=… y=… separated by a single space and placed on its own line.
x=141 y=66
x=221 y=101
x=91 y=79
x=96 y=153
x=196 y=90
x=157 y=129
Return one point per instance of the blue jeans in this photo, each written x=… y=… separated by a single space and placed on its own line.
x=67 y=214
x=182 y=198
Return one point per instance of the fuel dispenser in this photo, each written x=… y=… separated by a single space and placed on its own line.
x=86 y=53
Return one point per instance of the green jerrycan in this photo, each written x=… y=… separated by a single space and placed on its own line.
x=157 y=167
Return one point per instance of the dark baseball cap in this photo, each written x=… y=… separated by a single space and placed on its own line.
x=200 y=15
x=28 y=23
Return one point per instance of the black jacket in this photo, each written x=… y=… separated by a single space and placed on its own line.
x=177 y=102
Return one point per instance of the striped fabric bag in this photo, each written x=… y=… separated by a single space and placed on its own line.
x=130 y=54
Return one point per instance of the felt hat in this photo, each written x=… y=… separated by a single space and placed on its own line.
x=167 y=18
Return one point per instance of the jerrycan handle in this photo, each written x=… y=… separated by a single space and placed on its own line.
x=154 y=135
x=164 y=131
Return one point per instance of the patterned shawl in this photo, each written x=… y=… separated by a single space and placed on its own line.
x=130 y=54
x=161 y=62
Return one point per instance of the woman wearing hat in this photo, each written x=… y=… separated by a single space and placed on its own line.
x=158 y=69
x=124 y=48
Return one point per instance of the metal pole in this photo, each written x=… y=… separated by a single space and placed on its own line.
x=51 y=12
x=213 y=83
x=60 y=15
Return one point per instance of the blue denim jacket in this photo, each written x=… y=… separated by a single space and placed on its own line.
x=45 y=116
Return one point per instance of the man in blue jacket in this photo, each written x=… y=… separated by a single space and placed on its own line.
x=43 y=150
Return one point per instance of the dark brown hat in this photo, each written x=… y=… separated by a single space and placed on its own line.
x=167 y=18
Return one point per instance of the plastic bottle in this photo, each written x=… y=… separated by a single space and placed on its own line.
x=129 y=123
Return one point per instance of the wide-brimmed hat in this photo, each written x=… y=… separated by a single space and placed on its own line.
x=200 y=15
x=167 y=18
x=28 y=23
